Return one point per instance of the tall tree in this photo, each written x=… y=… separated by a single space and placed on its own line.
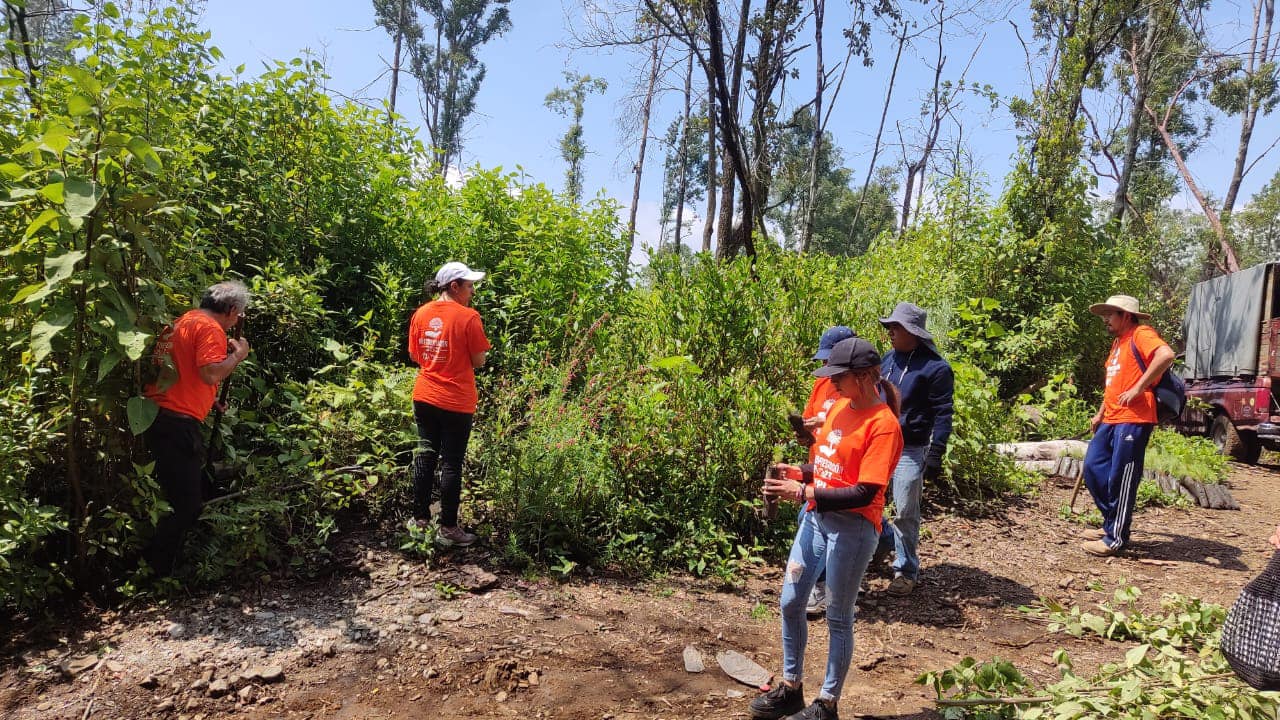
x=657 y=44
x=400 y=19
x=448 y=67
x=1245 y=84
x=569 y=102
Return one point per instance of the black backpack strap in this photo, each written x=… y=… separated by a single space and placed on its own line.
x=1137 y=355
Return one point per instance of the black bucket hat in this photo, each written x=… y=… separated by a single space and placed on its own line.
x=848 y=356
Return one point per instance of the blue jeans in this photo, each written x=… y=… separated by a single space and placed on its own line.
x=903 y=534
x=1112 y=472
x=841 y=543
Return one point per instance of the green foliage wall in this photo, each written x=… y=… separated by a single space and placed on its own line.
x=625 y=419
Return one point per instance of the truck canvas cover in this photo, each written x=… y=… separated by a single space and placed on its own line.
x=1223 y=323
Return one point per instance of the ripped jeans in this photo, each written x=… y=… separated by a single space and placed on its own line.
x=841 y=543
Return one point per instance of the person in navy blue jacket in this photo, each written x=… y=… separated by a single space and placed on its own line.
x=926 y=384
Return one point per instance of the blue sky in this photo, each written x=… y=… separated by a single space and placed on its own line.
x=511 y=127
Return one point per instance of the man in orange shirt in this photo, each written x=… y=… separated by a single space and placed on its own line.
x=193 y=354
x=1123 y=425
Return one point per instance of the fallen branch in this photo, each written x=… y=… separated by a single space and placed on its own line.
x=1042 y=699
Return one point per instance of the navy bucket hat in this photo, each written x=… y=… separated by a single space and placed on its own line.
x=830 y=337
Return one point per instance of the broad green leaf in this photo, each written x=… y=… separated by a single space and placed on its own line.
x=134 y=342
x=59 y=268
x=85 y=79
x=23 y=293
x=1136 y=655
x=41 y=220
x=142 y=412
x=13 y=170
x=142 y=150
x=78 y=105
x=53 y=193
x=82 y=197
x=56 y=139
x=43 y=333
x=108 y=363
x=678 y=363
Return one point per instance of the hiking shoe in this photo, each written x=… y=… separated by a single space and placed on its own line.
x=817 y=600
x=1092 y=534
x=1099 y=548
x=781 y=701
x=901 y=586
x=817 y=710
x=454 y=537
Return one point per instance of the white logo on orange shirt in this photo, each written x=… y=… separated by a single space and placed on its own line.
x=833 y=441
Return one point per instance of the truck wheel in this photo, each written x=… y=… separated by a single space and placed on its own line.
x=1241 y=447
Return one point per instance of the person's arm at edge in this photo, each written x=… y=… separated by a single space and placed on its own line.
x=214 y=373
x=942 y=401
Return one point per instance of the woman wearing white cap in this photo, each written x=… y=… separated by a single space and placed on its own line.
x=446 y=339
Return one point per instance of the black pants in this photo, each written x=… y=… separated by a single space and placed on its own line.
x=442 y=444
x=178 y=450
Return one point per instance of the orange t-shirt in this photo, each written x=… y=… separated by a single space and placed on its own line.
x=194 y=340
x=1123 y=373
x=443 y=335
x=858 y=447
x=821 y=398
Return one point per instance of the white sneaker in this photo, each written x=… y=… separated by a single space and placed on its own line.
x=817 y=600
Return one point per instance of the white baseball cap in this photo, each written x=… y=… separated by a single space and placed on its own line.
x=451 y=271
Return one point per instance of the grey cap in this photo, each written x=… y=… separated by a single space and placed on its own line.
x=912 y=319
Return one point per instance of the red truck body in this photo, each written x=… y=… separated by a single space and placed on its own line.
x=1231 y=362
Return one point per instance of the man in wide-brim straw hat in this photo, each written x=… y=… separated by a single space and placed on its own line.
x=1123 y=425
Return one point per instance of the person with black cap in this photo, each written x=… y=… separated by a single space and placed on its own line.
x=821 y=398
x=447 y=340
x=1123 y=425
x=927 y=385
x=857 y=447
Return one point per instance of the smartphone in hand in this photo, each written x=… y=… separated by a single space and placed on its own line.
x=803 y=434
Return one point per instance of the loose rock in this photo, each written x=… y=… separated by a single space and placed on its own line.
x=218 y=688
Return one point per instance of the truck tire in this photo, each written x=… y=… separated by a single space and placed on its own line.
x=1239 y=446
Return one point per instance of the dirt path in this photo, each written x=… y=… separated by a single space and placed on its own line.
x=394 y=640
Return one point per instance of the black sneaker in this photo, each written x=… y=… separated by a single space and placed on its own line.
x=778 y=703
x=818 y=710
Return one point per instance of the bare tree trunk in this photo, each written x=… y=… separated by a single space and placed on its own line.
x=908 y=188
x=644 y=142
x=683 y=185
x=815 y=145
x=734 y=158
x=395 y=61
x=875 y=148
x=1263 y=18
x=708 y=226
x=16 y=15
x=1141 y=63
x=918 y=167
x=1227 y=263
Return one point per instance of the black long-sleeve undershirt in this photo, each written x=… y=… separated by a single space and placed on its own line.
x=844 y=498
